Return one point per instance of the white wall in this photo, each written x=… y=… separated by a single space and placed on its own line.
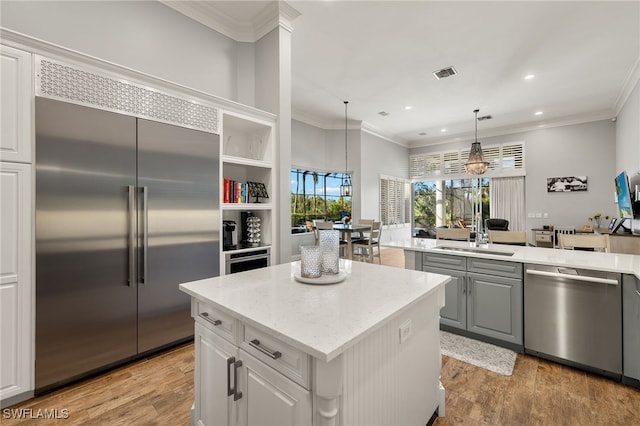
x=143 y=35
x=582 y=149
x=381 y=157
x=368 y=157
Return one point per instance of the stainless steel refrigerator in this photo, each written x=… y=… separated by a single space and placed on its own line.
x=126 y=209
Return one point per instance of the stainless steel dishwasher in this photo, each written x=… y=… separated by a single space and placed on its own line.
x=574 y=316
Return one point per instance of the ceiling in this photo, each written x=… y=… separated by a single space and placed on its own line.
x=380 y=55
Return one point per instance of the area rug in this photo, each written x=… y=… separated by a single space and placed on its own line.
x=484 y=355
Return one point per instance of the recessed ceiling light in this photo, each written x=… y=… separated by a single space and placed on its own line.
x=529 y=76
x=539 y=113
x=443 y=130
x=408 y=107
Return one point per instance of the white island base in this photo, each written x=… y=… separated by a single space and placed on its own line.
x=272 y=351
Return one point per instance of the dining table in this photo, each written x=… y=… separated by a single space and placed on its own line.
x=347 y=230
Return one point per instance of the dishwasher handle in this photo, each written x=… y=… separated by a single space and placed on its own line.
x=573 y=277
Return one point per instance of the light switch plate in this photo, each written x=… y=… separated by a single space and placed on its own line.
x=405 y=330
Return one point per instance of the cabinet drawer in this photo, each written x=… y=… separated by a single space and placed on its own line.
x=444 y=261
x=220 y=323
x=288 y=360
x=543 y=237
x=495 y=267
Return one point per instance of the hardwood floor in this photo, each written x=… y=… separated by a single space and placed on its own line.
x=159 y=391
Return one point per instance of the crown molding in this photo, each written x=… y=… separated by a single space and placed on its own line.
x=251 y=30
x=627 y=88
x=520 y=128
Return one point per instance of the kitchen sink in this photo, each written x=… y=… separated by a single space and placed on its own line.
x=477 y=250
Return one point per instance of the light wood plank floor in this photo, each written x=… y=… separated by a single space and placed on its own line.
x=159 y=391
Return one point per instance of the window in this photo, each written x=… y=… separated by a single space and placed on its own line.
x=316 y=195
x=444 y=202
x=395 y=200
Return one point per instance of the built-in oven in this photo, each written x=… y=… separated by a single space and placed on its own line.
x=239 y=261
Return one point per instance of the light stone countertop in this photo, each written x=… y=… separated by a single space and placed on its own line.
x=322 y=320
x=612 y=262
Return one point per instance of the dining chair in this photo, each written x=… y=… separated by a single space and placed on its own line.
x=562 y=230
x=517 y=238
x=363 y=222
x=496 y=224
x=581 y=241
x=367 y=245
x=458 y=234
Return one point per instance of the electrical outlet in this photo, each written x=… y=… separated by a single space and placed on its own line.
x=545 y=215
x=405 y=330
x=538 y=215
x=531 y=215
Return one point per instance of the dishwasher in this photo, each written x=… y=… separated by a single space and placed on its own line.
x=573 y=316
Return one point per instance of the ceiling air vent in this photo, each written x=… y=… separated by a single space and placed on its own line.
x=485 y=117
x=445 y=72
x=383 y=113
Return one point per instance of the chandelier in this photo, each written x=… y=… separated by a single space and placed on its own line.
x=476 y=164
x=345 y=187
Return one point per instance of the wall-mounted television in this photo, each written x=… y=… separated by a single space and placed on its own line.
x=624 y=196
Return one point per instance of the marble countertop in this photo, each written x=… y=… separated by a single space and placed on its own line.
x=322 y=320
x=612 y=262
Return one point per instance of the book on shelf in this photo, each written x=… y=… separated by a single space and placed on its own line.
x=235 y=192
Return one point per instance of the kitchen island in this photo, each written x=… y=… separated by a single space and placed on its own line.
x=272 y=350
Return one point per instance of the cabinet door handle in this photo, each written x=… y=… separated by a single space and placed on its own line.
x=205 y=315
x=230 y=361
x=273 y=355
x=236 y=395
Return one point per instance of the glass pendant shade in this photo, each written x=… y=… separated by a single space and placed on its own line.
x=476 y=165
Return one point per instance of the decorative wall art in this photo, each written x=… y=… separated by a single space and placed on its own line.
x=567 y=184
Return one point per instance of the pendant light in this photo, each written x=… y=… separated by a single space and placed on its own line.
x=476 y=164
x=345 y=187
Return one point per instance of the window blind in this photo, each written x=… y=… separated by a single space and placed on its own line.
x=506 y=159
x=395 y=200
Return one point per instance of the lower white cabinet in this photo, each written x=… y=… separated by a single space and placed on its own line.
x=233 y=387
x=16 y=330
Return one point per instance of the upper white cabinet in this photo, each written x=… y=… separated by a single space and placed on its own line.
x=248 y=151
x=16 y=118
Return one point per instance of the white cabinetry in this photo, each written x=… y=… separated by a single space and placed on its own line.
x=248 y=152
x=234 y=387
x=16 y=122
x=16 y=228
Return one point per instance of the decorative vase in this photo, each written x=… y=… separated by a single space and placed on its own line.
x=310 y=261
x=329 y=242
x=253 y=231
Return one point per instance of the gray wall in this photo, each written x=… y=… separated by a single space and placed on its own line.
x=143 y=35
x=628 y=135
x=582 y=149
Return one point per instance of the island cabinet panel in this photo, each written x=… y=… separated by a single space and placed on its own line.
x=270 y=398
x=213 y=356
x=631 y=329
x=483 y=299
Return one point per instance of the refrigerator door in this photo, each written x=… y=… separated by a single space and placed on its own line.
x=85 y=304
x=179 y=231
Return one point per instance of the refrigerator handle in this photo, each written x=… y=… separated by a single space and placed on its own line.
x=132 y=235
x=145 y=232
